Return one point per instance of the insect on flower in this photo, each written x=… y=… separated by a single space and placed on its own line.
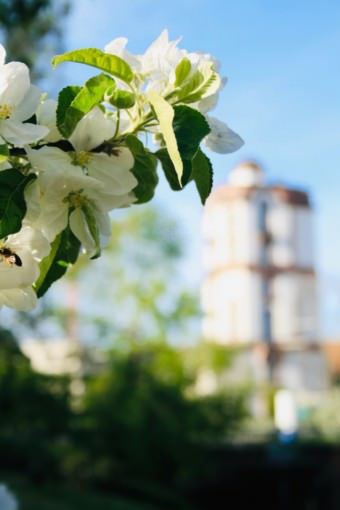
x=10 y=257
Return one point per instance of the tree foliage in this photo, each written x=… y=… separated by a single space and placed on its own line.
x=139 y=276
x=137 y=428
x=35 y=412
x=140 y=431
x=31 y=30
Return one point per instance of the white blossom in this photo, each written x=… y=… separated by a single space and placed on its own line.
x=92 y=130
x=112 y=170
x=18 y=102
x=158 y=63
x=62 y=194
x=20 y=255
x=118 y=47
x=78 y=186
x=161 y=58
x=47 y=116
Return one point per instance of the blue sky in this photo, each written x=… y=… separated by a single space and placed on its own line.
x=282 y=60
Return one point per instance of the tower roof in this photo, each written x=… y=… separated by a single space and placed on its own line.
x=247 y=174
x=248 y=177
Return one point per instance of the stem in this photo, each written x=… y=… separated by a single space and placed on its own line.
x=117 y=125
x=64 y=145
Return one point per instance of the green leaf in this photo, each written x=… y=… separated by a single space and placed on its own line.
x=170 y=171
x=202 y=83
x=65 y=98
x=202 y=174
x=12 y=201
x=93 y=228
x=64 y=252
x=182 y=71
x=192 y=84
x=91 y=94
x=144 y=169
x=190 y=128
x=4 y=152
x=122 y=99
x=209 y=87
x=111 y=64
x=165 y=114
x=198 y=169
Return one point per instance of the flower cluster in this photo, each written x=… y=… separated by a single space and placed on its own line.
x=64 y=165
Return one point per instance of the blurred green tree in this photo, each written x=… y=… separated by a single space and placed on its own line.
x=139 y=429
x=134 y=291
x=31 y=31
x=34 y=411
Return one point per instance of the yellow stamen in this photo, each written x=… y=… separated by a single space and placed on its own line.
x=81 y=158
x=75 y=198
x=5 y=111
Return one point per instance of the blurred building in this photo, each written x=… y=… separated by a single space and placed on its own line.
x=64 y=357
x=259 y=258
x=53 y=357
x=260 y=289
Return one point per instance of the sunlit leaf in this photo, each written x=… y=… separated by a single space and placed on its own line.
x=94 y=57
x=202 y=83
x=122 y=99
x=182 y=71
x=93 y=228
x=88 y=96
x=165 y=114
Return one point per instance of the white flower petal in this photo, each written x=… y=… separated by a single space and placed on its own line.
x=80 y=229
x=103 y=222
x=222 y=139
x=49 y=159
x=47 y=116
x=2 y=55
x=161 y=57
x=20 y=134
x=28 y=105
x=55 y=186
x=20 y=299
x=17 y=277
x=32 y=199
x=52 y=221
x=109 y=202
x=208 y=103
x=117 y=47
x=93 y=129
x=113 y=171
x=12 y=276
x=29 y=236
x=14 y=83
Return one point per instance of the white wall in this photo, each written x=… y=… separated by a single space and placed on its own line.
x=294 y=308
x=232 y=302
